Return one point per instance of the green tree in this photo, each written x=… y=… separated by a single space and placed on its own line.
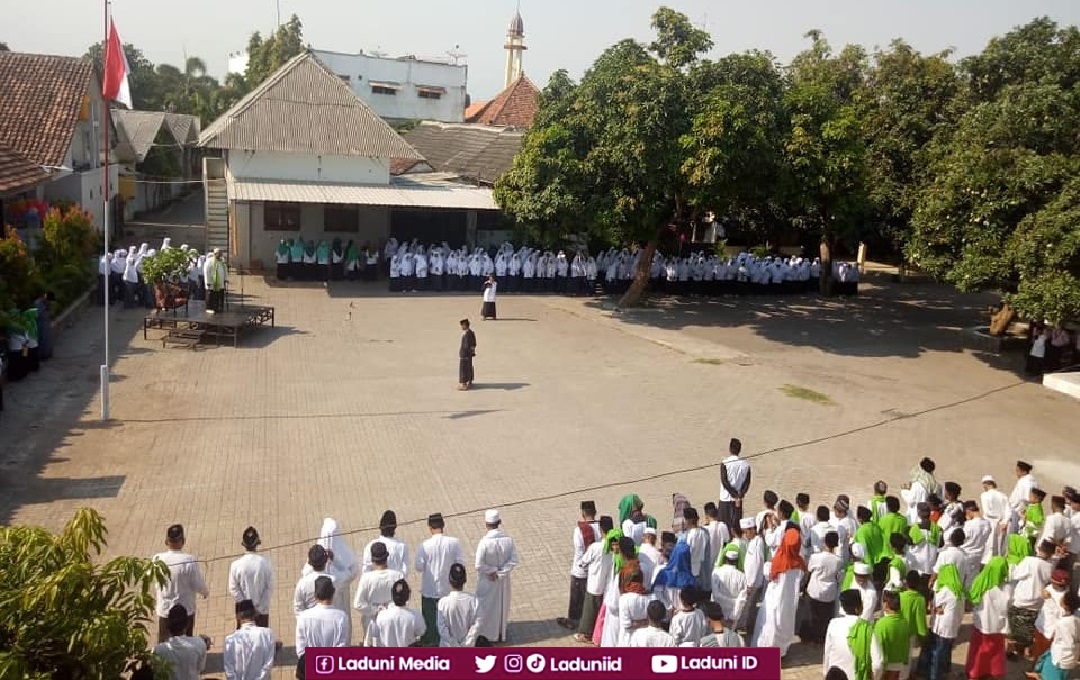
x=825 y=152
x=145 y=92
x=994 y=215
x=735 y=150
x=66 y=616
x=1037 y=52
x=268 y=55
x=907 y=99
x=607 y=153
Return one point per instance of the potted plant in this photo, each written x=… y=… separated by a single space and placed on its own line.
x=163 y=270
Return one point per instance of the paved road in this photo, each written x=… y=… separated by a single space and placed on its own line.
x=349 y=408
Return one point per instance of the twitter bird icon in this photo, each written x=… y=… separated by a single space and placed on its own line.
x=484 y=664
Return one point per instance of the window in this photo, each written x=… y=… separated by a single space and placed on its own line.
x=341 y=218
x=281 y=216
x=428 y=94
x=345 y=78
x=382 y=89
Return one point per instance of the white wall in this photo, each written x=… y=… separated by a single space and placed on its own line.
x=86 y=189
x=257 y=243
x=300 y=168
x=363 y=69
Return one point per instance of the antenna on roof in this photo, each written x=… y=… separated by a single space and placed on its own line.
x=456 y=55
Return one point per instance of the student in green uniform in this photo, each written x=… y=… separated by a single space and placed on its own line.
x=913 y=607
x=877 y=503
x=895 y=635
x=892 y=522
x=869 y=535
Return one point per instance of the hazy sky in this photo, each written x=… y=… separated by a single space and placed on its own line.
x=566 y=34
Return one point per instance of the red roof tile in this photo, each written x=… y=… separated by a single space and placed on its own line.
x=516 y=106
x=41 y=100
x=17 y=172
x=475 y=108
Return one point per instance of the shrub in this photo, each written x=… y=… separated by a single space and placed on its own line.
x=64 y=617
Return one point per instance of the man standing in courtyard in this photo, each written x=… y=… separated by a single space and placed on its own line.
x=434 y=558
x=215 y=272
x=734 y=485
x=465 y=356
x=496 y=557
x=184 y=583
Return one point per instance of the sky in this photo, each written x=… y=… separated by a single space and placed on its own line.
x=566 y=34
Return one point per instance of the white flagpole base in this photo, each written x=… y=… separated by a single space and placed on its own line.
x=104 y=392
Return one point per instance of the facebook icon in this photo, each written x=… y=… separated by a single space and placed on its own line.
x=324 y=665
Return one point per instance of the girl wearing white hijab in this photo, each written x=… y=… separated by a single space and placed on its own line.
x=345 y=566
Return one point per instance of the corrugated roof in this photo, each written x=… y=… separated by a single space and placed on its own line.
x=17 y=172
x=139 y=130
x=399 y=194
x=40 y=99
x=305 y=108
x=516 y=106
x=479 y=152
x=184 y=127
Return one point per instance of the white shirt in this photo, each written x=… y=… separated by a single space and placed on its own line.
x=838 y=653
x=950 y=555
x=457 y=617
x=924 y=554
x=249 y=653
x=977 y=532
x=1056 y=529
x=374 y=590
x=719 y=536
x=651 y=637
x=397 y=558
x=688 y=627
x=754 y=563
x=634 y=530
x=869 y=600
x=397 y=627
x=995 y=506
x=729 y=589
x=633 y=608
x=576 y=570
x=185 y=582
x=1029 y=579
x=817 y=537
x=433 y=560
x=251 y=577
x=304 y=594
x=1050 y=612
x=946 y=624
x=1065 y=649
x=698 y=540
x=1018 y=499
x=489 y=292
x=990 y=616
x=597 y=565
x=649 y=556
x=187 y=654
x=1074 y=533
x=321 y=626
x=913 y=496
x=825 y=576
x=737 y=472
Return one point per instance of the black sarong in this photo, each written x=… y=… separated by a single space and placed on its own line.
x=465 y=370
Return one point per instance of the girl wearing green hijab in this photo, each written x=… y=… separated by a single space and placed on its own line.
x=632 y=518
x=935 y=658
x=986 y=653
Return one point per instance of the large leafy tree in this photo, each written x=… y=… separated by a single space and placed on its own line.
x=825 y=151
x=145 y=90
x=266 y=55
x=907 y=99
x=607 y=153
x=64 y=615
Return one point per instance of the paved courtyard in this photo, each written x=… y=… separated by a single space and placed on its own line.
x=349 y=407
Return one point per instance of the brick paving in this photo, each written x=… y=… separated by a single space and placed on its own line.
x=349 y=408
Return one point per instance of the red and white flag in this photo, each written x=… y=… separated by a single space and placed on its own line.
x=114 y=86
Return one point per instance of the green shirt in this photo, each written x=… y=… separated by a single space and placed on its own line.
x=895 y=636
x=1033 y=520
x=915 y=533
x=892 y=523
x=871 y=538
x=875 y=504
x=913 y=611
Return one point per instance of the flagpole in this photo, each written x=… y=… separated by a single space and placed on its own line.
x=108 y=275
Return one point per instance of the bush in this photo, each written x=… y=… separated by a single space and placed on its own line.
x=64 y=617
x=19 y=282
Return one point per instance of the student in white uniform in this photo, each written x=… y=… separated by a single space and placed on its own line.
x=434 y=558
x=251 y=577
x=496 y=558
x=374 y=592
x=729 y=586
x=248 y=653
x=720 y=633
x=458 y=611
x=977 y=533
x=719 y=536
x=1018 y=499
x=397 y=549
x=186 y=653
x=585 y=534
x=838 y=652
x=688 y=625
x=995 y=508
x=597 y=564
x=321 y=626
x=397 y=625
x=865 y=585
x=654 y=634
x=633 y=608
x=650 y=556
x=320 y=565
x=185 y=581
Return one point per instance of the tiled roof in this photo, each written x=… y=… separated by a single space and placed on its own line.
x=139 y=129
x=304 y=108
x=478 y=152
x=40 y=99
x=474 y=109
x=18 y=172
x=516 y=106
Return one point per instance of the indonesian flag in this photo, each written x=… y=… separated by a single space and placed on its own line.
x=114 y=86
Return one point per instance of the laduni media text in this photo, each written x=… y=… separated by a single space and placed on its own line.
x=392 y=664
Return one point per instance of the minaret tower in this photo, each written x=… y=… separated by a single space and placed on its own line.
x=515 y=48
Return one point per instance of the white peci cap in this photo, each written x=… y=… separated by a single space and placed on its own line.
x=492 y=517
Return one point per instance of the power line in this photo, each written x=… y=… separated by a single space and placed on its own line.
x=650 y=478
